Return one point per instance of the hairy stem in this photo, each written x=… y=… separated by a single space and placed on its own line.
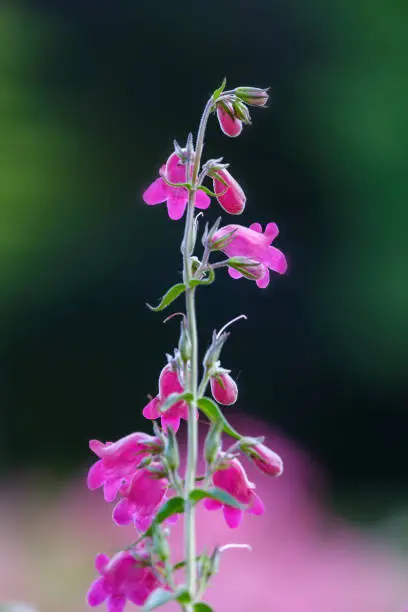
x=191 y=374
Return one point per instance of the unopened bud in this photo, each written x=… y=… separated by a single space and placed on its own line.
x=229 y=122
x=224 y=388
x=171 y=451
x=252 y=95
x=250 y=268
x=241 y=112
x=264 y=458
x=184 y=342
x=160 y=545
x=212 y=444
x=213 y=352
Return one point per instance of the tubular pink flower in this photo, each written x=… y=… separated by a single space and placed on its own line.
x=124 y=577
x=168 y=384
x=119 y=461
x=230 y=195
x=176 y=197
x=252 y=243
x=266 y=459
x=224 y=389
x=232 y=478
x=229 y=124
x=140 y=499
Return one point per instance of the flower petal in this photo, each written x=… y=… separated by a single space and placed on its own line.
x=95 y=476
x=257 y=506
x=276 y=260
x=271 y=231
x=151 y=410
x=172 y=421
x=96 y=594
x=233 y=516
x=176 y=205
x=264 y=280
x=212 y=504
x=234 y=273
x=156 y=193
x=121 y=514
x=111 y=488
x=202 y=200
x=256 y=227
x=101 y=561
x=116 y=603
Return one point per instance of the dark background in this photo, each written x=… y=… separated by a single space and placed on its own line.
x=91 y=96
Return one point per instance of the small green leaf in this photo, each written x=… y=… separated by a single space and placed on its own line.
x=183 y=596
x=222 y=496
x=213 y=412
x=220 y=89
x=202 y=607
x=175 y=505
x=173 y=398
x=207 y=280
x=169 y=297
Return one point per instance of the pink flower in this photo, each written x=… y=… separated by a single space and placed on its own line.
x=224 y=389
x=176 y=197
x=252 y=243
x=124 y=577
x=119 y=461
x=229 y=123
x=140 y=499
x=232 y=478
x=266 y=459
x=168 y=384
x=230 y=196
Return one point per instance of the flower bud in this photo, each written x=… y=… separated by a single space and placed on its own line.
x=252 y=95
x=212 y=444
x=229 y=123
x=210 y=361
x=160 y=545
x=184 y=342
x=241 y=112
x=224 y=388
x=250 y=268
x=229 y=193
x=265 y=459
x=171 y=451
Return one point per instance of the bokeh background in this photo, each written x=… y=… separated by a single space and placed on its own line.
x=91 y=96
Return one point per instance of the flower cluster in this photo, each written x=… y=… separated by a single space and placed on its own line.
x=141 y=472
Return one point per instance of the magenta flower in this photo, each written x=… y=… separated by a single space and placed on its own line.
x=176 y=197
x=266 y=459
x=224 y=389
x=232 y=478
x=252 y=243
x=141 y=499
x=168 y=384
x=119 y=461
x=230 y=195
x=124 y=577
x=229 y=123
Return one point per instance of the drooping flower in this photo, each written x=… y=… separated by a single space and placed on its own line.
x=232 y=478
x=168 y=383
x=141 y=499
x=229 y=193
x=224 y=388
x=250 y=242
x=229 y=123
x=265 y=459
x=127 y=576
x=119 y=461
x=176 y=197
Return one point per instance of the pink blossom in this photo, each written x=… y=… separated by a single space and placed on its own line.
x=119 y=461
x=230 y=195
x=252 y=243
x=168 y=384
x=140 y=499
x=224 y=389
x=266 y=459
x=124 y=577
x=232 y=478
x=229 y=123
x=176 y=197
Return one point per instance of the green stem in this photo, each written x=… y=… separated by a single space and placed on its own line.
x=191 y=374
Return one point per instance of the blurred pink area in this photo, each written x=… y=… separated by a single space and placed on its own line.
x=303 y=558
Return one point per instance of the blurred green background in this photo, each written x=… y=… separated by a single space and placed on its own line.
x=91 y=97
